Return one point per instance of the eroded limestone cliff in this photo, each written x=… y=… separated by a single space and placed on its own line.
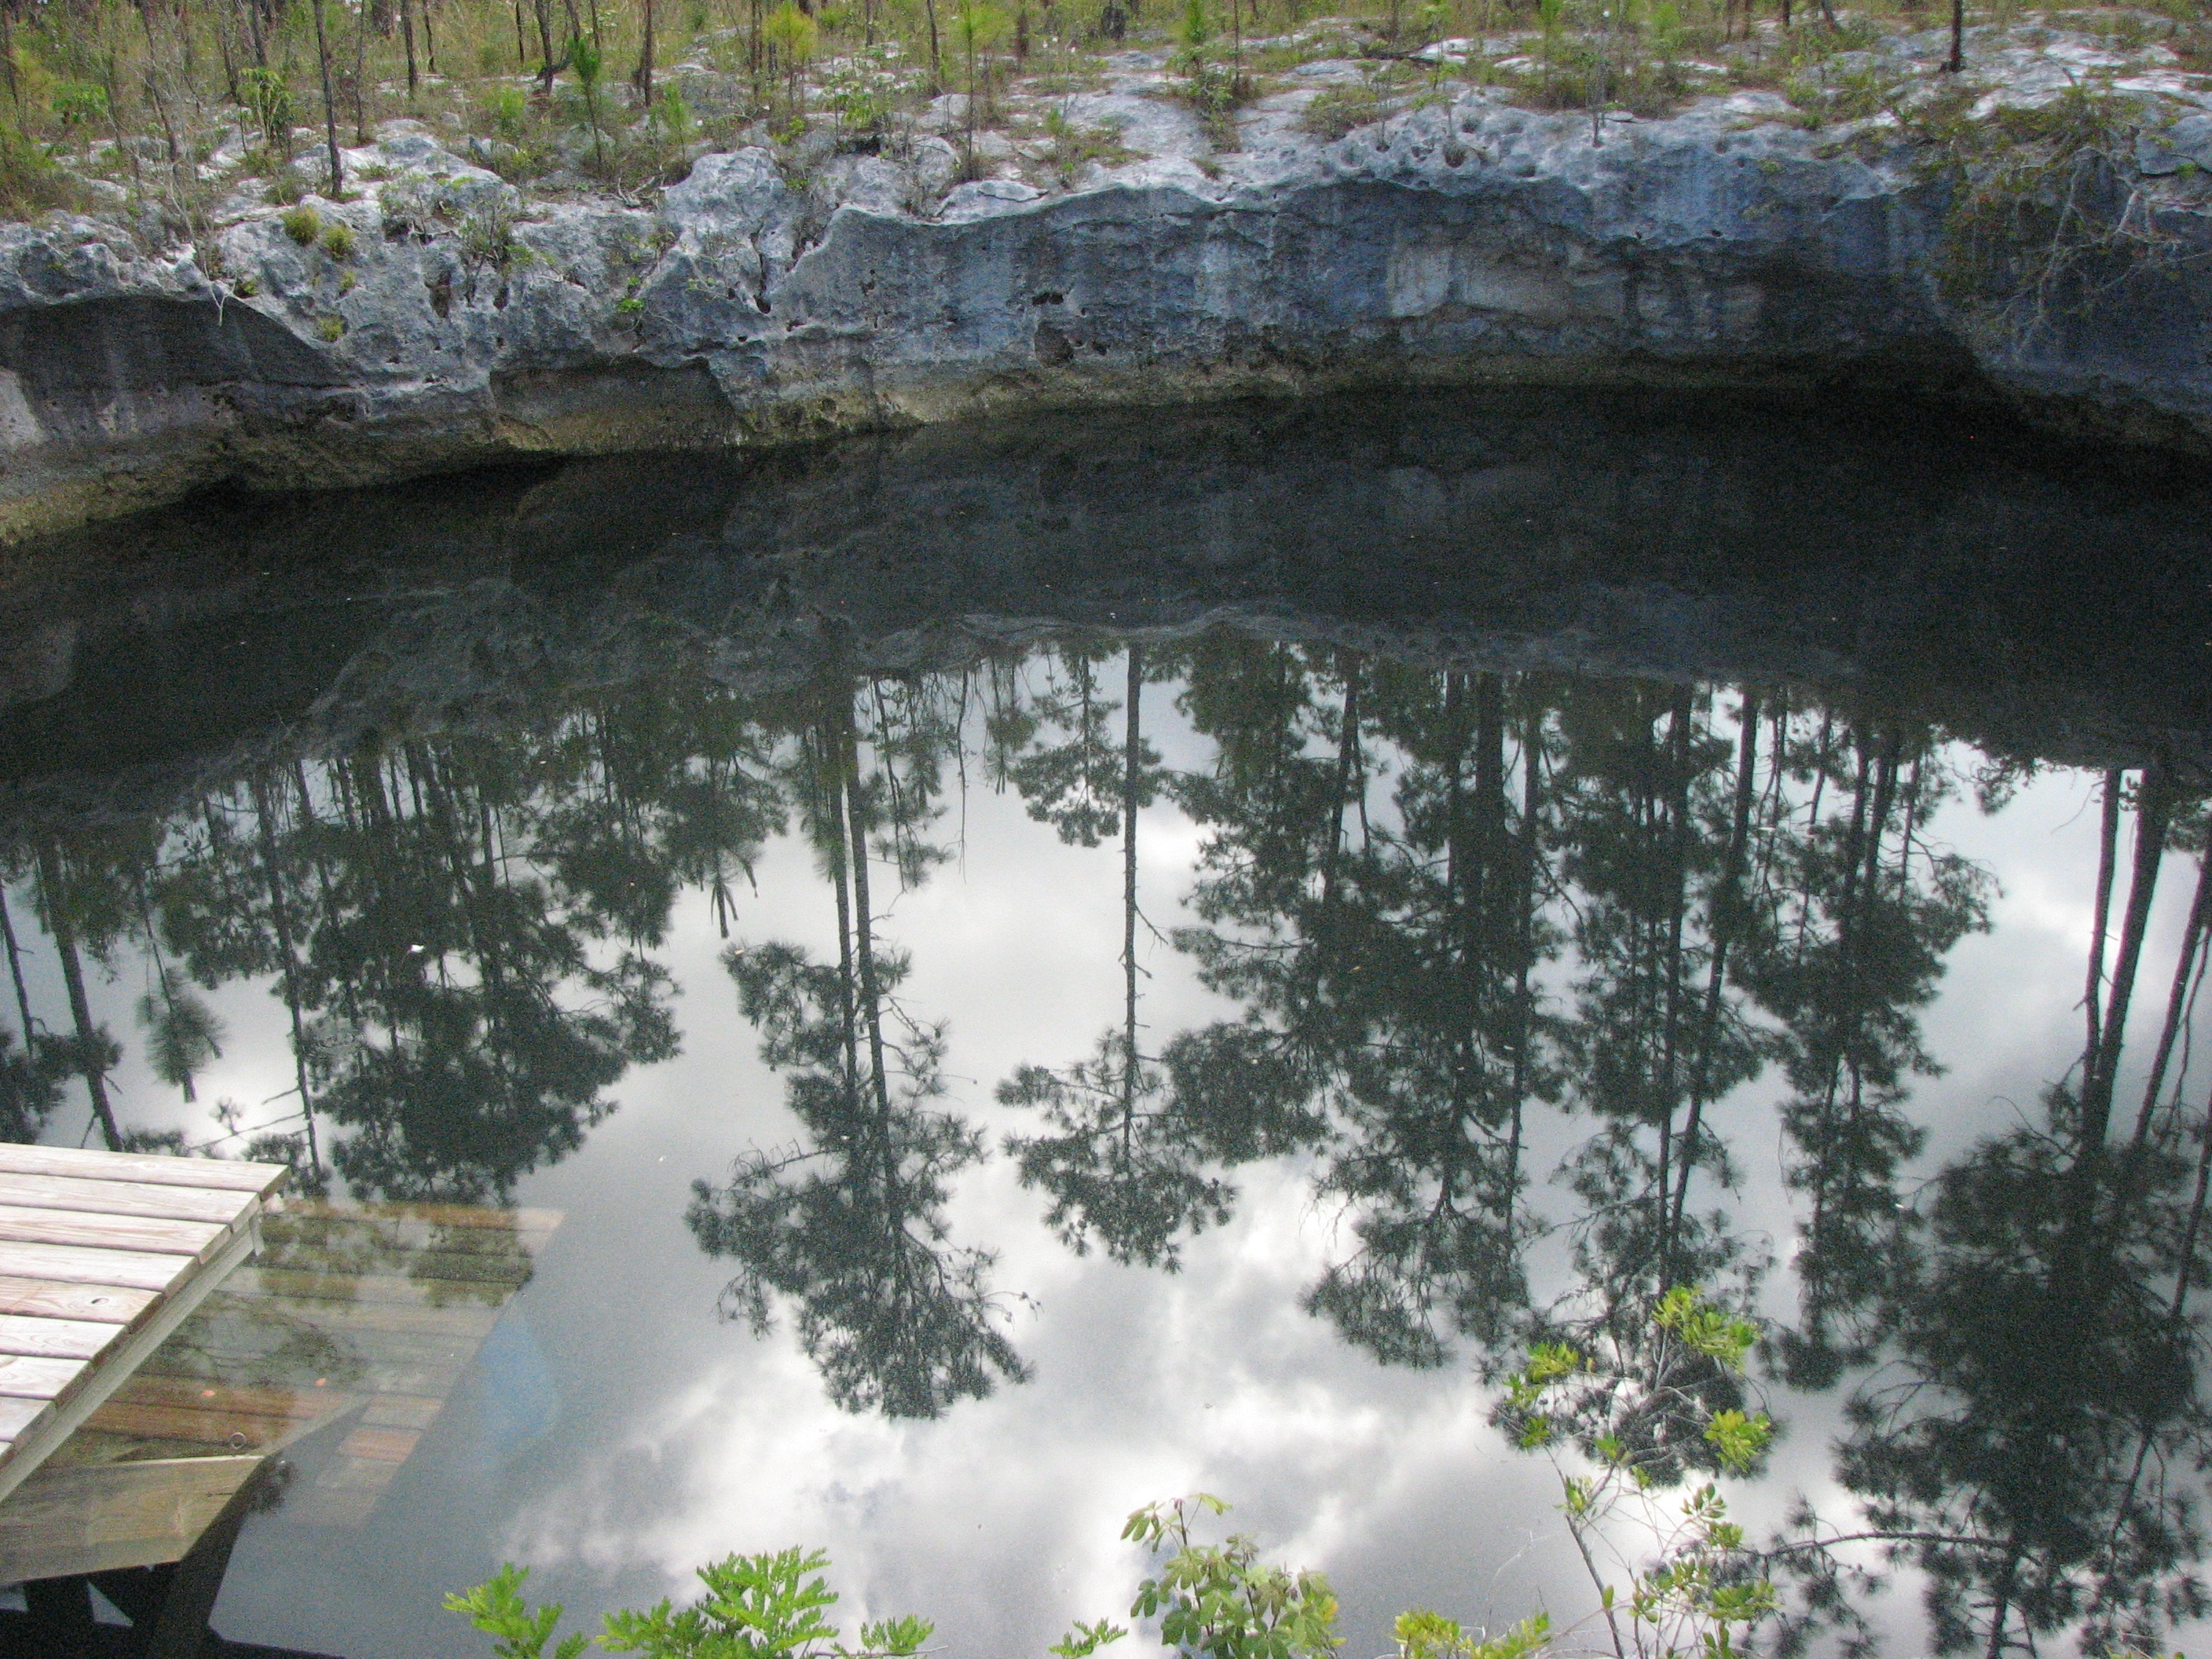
x=1468 y=241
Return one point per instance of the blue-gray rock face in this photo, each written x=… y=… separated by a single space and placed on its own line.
x=1463 y=242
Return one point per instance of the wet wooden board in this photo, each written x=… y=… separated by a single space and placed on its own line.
x=102 y=1256
x=97 y=1517
x=377 y=1309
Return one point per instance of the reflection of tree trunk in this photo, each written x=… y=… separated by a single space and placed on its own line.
x=2177 y=998
x=1678 y=878
x=15 y=969
x=1132 y=766
x=2154 y=808
x=864 y=945
x=280 y=914
x=831 y=781
x=1524 y=1001
x=2108 y=842
x=1727 y=908
x=95 y=1082
x=1347 y=747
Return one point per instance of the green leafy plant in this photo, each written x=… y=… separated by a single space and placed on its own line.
x=507 y=111
x=496 y=1608
x=792 y=36
x=585 y=58
x=755 y=1606
x=338 y=242
x=1084 y=1640
x=671 y=116
x=1214 y=88
x=1643 y=1405
x=31 y=181
x=80 y=104
x=1424 y=1635
x=302 y=224
x=330 y=330
x=268 y=100
x=1217 y=1600
x=1338 y=112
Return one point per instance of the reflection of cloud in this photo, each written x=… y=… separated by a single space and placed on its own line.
x=681 y=1439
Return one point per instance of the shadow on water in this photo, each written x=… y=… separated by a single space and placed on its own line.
x=1568 y=767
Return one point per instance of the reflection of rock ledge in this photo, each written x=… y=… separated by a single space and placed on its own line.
x=1461 y=245
x=2044 y=607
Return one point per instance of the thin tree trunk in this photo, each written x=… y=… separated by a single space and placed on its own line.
x=1132 y=755
x=644 y=76
x=2154 y=808
x=330 y=104
x=360 y=77
x=95 y=1081
x=2108 y=844
x=407 y=39
x=1728 y=905
x=280 y=915
x=2177 y=998
x=15 y=969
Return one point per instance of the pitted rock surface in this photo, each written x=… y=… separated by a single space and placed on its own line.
x=1467 y=242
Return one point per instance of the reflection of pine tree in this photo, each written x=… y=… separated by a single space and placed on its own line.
x=1127 y=1162
x=2028 y=1448
x=1855 y=914
x=849 y=1227
x=1639 y=778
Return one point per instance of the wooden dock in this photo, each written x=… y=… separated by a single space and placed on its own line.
x=102 y=1256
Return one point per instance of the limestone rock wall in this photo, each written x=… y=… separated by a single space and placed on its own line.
x=1465 y=242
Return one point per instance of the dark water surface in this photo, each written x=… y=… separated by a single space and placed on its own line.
x=1028 y=971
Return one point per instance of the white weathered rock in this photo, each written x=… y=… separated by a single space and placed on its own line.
x=1464 y=241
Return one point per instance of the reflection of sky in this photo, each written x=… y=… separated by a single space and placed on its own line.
x=614 y=1433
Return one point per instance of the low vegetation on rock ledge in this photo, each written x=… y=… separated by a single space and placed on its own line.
x=175 y=121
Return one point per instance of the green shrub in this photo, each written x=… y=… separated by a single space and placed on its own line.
x=302 y=224
x=269 y=102
x=332 y=329
x=507 y=111
x=79 y=103
x=1340 y=111
x=31 y=181
x=756 y=1607
x=337 y=241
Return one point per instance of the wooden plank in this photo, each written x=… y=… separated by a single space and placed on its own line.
x=470 y=1320
x=99 y=1517
x=380 y=1444
x=236 y=1356
x=110 y=1304
x=241 y=1430
x=55 y=1338
x=371 y=1287
x=191 y=1281
x=73 y=1264
x=19 y=1417
x=257 y=1179
x=201 y=1393
x=443 y=1215
x=111 y=1232
x=26 y=1376
x=219 y=1205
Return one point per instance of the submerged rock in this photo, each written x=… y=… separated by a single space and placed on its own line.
x=1466 y=241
